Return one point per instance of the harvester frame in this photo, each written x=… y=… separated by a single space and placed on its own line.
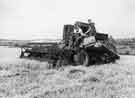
x=97 y=48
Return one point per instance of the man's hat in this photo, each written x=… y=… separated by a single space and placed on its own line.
x=89 y=20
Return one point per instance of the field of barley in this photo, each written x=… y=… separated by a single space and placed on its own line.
x=23 y=78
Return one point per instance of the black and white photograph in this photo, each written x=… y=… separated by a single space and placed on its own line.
x=67 y=49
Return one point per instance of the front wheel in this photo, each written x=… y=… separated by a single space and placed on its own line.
x=81 y=58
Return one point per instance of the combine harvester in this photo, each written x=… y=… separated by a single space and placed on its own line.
x=84 y=49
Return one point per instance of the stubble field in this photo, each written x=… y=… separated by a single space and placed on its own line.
x=22 y=78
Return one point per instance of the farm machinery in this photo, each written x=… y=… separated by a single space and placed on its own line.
x=74 y=48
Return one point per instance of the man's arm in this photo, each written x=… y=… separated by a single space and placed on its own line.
x=89 y=29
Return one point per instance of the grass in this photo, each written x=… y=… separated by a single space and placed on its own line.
x=32 y=79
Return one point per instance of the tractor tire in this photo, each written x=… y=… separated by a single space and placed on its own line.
x=82 y=58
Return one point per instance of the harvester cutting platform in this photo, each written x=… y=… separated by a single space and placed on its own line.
x=81 y=45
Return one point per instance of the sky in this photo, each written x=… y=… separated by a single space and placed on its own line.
x=42 y=19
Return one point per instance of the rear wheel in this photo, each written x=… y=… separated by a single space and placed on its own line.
x=81 y=58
